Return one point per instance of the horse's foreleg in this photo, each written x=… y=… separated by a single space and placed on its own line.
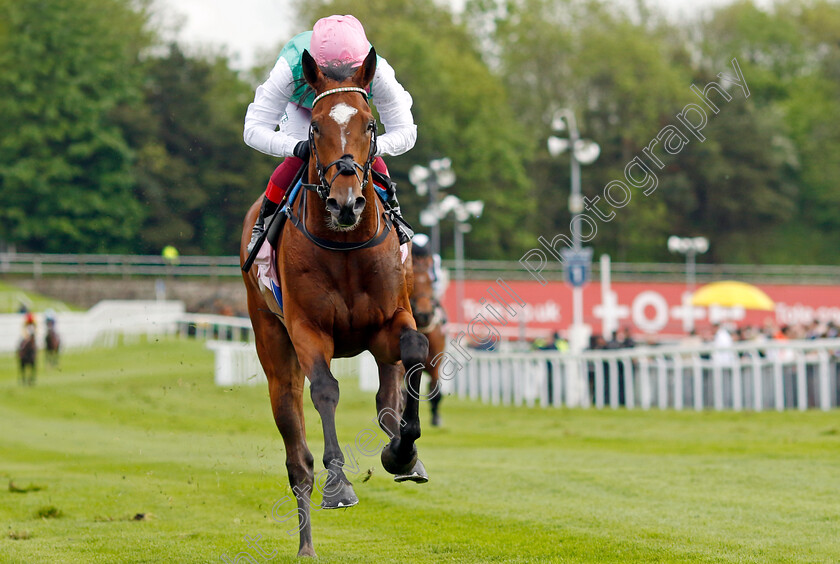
x=400 y=456
x=437 y=344
x=389 y=400
x=314 y=359
x=285 y=387
x=287 y=405
x=435 y=394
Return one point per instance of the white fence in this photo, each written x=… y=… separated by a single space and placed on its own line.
x=236 y=364
x=757 y=376
x=794 y=374
x=103 y=324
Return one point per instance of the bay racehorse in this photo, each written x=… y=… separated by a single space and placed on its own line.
x=344 y=290
x=429 y=321
x=27 y=353
x=52 y=344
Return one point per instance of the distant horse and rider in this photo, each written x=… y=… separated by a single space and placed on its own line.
x=430 y=317
x=27 y=352
x=344 y=287
x=52 y=342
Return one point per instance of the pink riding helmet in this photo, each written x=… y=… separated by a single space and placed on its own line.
x=339 y=39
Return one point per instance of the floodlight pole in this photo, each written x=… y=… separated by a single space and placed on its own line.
x=575 y=207
x=460 y=229
x=434 y=239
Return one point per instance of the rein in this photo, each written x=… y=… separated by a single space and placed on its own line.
x=339 y=245
x=344 y=166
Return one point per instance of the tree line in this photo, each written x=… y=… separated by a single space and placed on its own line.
x=112 y=140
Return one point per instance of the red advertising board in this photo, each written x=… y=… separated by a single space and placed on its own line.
x=652 y=308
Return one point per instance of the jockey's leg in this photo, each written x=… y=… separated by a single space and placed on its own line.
x=404 y=231
x=274 y=192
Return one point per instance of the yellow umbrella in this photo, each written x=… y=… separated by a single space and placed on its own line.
x=732 y=294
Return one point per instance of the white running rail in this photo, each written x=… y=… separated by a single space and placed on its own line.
x=757 y=376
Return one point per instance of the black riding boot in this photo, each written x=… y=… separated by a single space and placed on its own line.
x=266 y=209
x=404 y=230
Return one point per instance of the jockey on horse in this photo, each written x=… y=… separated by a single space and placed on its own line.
x=421 y=250
x=345 y=279
x=277 y=121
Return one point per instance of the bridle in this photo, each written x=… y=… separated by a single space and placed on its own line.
x=346 y=165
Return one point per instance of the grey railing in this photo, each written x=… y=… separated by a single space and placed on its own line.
x=37 y=265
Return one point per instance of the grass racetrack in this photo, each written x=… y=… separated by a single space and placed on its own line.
x=141 y=429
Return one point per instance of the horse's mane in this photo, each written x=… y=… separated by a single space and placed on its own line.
x=337 y=70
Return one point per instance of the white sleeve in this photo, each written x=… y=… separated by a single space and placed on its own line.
x=394 y=106
x=267 y=110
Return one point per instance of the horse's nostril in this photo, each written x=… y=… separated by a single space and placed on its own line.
x=332 y=205
x=359 y=205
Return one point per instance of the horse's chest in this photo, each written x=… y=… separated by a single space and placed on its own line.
x=351 y=299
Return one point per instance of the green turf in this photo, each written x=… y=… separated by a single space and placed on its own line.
x=142 y=429
x=10 y=300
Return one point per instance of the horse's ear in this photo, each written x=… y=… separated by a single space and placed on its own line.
x=311 y=73
x=364 y=75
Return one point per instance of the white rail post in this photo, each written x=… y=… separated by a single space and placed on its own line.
x=678 y=382
x=717 y=384
x=758 y=384
x=613 y=365
x=801 y=381
x=737 y=384
x=629 y=384
x=599 y=383
x=662 y=382
x=644 y=382
x=778 y=382
x=697 y=374
x=825 y=388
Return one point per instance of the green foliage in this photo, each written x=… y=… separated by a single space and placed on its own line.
x=770 y=165
x=65 y=169
x=193 y=173
x=106 y=145
x=791 y=57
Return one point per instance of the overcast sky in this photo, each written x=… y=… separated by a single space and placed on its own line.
x=247 y=27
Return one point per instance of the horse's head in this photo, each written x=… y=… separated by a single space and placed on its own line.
x=423 y=296
x=342 y=136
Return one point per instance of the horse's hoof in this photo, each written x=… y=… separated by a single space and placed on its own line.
x=336 y=497
x=418 y=474
x=307 y=551
x=435 y=420
x=394 y=465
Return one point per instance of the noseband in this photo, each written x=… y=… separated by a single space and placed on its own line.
x=344 y=166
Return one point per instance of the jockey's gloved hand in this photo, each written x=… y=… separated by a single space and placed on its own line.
x=301 y=150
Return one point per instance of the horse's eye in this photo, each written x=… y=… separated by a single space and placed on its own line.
x=314 y=127
x=371 y=126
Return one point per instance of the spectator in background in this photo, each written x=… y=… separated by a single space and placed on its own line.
x=557 y=343
x=691 y=340
x=723 y=340
x=625 y=338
